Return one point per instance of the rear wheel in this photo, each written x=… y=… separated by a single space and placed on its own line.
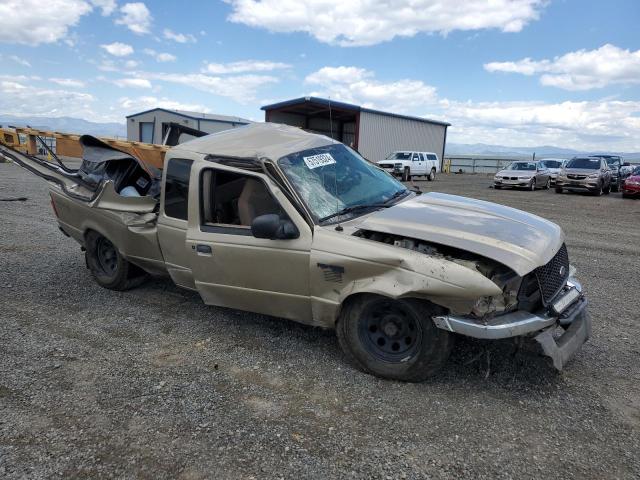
x=393 y=339
x=406 y=174
x=432 y=175
x=108 y=267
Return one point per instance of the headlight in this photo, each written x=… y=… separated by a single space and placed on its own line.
x=524 y=178
x=594 y=175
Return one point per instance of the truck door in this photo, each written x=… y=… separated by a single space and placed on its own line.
x=418 y=167
x=231 y=267
x=173 y=221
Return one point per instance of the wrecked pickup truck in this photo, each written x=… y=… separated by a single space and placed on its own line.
x=271 y=219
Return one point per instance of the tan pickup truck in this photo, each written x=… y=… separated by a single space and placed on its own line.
x=271 y=219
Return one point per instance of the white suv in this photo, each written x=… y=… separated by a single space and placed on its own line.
x=410 y=164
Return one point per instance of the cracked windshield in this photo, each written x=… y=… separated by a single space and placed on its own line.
x=332 y=178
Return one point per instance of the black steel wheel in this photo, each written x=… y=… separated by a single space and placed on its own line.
x=393 y=338
x=107 y=256
x=108 y=267
x=388 y=331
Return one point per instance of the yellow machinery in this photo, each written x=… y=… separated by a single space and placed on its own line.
x=68 y=145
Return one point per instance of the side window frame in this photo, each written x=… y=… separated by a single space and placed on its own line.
x=223 y=228
x=166 y=189
x=415 y=157
x=421 y=155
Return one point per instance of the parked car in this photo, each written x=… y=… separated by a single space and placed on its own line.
x=523 y=174
x=615 y=164
x=631 y=184
x=554 y=165
x=271 y=219
x=626 y=170
x=590 y=174
x=407 y=164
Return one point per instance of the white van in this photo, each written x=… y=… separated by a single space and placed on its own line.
x=409 y=164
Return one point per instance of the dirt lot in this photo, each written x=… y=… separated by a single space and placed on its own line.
x=152 y=384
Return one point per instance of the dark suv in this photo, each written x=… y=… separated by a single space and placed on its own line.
x=614 y=162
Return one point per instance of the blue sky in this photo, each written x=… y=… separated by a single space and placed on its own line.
x=511 y=72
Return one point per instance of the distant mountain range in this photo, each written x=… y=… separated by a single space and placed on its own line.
x=67 y=125
x=542 y=151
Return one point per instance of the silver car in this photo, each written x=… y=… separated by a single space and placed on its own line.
x=523 y=174
x=554 y=165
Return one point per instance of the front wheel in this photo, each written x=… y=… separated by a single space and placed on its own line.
x=432 y=175
x=532 y=185
x=393 y=339
x=406 y=175
x=548 y=184
x=558 y=190
x=108 y=267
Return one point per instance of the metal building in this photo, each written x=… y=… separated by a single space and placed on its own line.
x=151 y=126
x=373 y=133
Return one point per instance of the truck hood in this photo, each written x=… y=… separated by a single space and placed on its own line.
x=517 y=239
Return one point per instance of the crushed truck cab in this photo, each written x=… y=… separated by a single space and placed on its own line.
x=271 y=219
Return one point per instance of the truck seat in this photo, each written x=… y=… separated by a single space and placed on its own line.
x=254 y=201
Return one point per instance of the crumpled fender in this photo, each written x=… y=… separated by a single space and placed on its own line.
x=365 y=266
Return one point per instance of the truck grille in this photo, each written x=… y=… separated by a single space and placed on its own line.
x=553 y=276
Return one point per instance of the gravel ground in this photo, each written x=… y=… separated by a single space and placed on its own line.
x=151 y=383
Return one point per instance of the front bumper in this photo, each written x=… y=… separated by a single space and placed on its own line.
x=541 y=325
x=512 y=183
x=590 y=184
x=630 y=189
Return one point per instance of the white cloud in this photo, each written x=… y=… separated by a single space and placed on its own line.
x=357 y=85
x=136 y=17
x=160 y=57
x=21 y=99
x=138 y=104
x=178 y=37
x=367 y=22
x=118 y=49
x=241 y=88
x=579 y=70
x=33 y=22
x=20 y=61
x=588 y=125
x=244 y=66
x=68 y=82
x=133 y=83
x=107 y=6
x=130 y=64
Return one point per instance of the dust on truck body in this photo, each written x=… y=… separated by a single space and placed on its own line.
x=271 y=219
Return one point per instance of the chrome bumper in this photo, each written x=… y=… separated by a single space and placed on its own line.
x=574 y=319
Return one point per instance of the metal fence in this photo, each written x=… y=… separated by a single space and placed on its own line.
x=478 y=164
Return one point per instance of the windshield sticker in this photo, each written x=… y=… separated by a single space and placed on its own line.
x=320 y=160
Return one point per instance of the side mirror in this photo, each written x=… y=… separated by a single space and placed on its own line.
x=272 y=227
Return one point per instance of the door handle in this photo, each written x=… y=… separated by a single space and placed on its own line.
x=203 y=249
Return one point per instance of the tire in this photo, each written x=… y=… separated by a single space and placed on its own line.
x=532 y=185
x=497 y=187
x=607 y=190
x=598 y=192
x=432 y=175
x=548 y=184
x=615 y=188
x=109 y=269
x=406 y=175
x=394 y=339
x=558 y=190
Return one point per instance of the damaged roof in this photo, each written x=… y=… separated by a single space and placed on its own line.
x=256 y=140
